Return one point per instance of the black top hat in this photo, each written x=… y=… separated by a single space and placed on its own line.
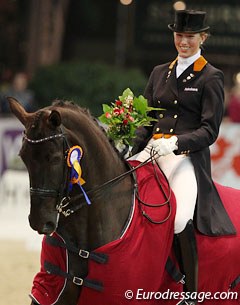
x=189 y=21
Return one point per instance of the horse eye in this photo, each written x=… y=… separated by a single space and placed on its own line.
x=55 y=160
x=47 y=158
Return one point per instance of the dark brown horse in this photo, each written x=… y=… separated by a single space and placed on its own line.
x=49 y=134
x=46 y=164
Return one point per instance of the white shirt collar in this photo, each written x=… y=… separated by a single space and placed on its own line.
x=184 y=63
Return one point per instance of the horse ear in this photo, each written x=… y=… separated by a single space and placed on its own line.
x=18 y=110
x=55 y=118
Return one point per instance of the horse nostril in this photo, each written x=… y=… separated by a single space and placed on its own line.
x=48 y=228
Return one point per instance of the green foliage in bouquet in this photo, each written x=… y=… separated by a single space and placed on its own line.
x=125 y=115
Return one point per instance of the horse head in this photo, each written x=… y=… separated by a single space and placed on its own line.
x=49 y=135
x=42 y=152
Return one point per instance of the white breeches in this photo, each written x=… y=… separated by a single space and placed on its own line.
x=181 y=176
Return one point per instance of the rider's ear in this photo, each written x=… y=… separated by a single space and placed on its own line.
x=55 y=118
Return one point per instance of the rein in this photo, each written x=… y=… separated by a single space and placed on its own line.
x=111 y=181
x=65 y=200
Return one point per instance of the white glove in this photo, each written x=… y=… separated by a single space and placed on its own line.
x=124 y=150
x=120 y=146
x=165 y=146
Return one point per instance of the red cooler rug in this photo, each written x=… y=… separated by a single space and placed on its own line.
x=136 y=260
x=135 y=271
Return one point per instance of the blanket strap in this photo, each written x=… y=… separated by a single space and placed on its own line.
x=100 y=258
x=54 y=269
x=174 y=272
x=234 y=283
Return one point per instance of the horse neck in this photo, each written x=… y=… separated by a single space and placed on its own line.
x=110 y=208
x=100 y=161
x=104 y=219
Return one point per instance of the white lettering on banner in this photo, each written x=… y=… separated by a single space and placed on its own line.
x=10 y=146
x=10 y=128
x=225 y=155
x=14 y=209
x=14 y=189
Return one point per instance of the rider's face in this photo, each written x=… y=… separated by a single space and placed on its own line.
x=188 y=44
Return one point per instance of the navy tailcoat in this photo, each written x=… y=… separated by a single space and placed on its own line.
x=193 y=107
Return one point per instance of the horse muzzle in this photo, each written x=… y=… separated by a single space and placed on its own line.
x=46 y=228
x=43 y=216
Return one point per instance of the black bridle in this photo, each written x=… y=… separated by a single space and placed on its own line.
x=64 y=197
x=63 y=192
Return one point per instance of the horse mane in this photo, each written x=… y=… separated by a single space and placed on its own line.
x=37 y=117
x=85 y=111
x=72 y=105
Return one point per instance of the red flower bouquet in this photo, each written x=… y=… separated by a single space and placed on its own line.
x=124 y=116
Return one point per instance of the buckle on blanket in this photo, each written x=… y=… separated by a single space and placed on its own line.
x=83 y=253
x=77 y=280
x=182 y=280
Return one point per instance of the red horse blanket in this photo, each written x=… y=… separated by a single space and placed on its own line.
x=136 y=260
x=136 y=266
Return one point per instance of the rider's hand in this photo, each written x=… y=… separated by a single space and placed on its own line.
x=124 y=150
x=165 y=146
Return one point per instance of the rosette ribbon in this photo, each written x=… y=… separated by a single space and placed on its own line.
x=73 y=161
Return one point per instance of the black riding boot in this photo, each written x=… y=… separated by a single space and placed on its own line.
x=186 y=252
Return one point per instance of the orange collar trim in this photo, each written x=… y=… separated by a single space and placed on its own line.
x=199 y=64
x=172 y=63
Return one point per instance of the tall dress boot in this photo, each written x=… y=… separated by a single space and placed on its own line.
x=186 y=245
